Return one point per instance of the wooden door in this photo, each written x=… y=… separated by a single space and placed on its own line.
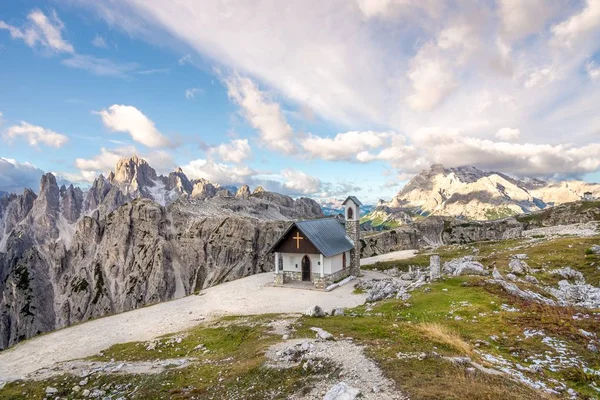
x=306 y=268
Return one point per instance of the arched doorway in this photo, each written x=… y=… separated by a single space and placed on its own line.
x=306 y=268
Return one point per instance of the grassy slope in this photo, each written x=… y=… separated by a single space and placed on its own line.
x=456 y=317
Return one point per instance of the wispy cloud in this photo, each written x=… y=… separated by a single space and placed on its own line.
x=192 y=92
x=153 y=71
x=100 y=66
x=41 y=30
x=99 y=41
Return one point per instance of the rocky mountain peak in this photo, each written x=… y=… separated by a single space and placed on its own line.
x=243 y=192
x=133 y=174
x=49 y=196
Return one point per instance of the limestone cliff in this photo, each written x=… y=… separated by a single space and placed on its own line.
x=65 y=258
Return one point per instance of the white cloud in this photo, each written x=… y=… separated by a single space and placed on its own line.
x=262 y=113
x=41 y=30
x=508 y=134
x=452 y=148
x=122 y=118
x=99 y=42
x=522 y=18
x=35 y=135
x=106 y=160
x=580 y=25
x=191 y=92
x=540 y=77
x=344 y=146
x=100 y=66
x=300 y=182
x=236 y=151
x=16 y=176
x=455 y=36
x=432 y=79
x=592 y=69
x=218 y=173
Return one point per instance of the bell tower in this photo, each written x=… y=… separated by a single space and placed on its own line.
x=352 y=216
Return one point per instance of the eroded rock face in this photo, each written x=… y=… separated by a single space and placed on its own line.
x=140 y=254
x=66 y=259
x=71 y=203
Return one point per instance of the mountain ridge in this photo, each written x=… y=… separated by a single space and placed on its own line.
x=67 y=256
x=470 y=193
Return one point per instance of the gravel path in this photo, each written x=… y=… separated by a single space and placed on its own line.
x=357 y=370
x=393 y=256
x=247 y=296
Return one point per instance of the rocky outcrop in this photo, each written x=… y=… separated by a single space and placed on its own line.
x=71 y=203
x=243 y=192
x=203 y=189
x=14 y=209
x=64 y=259
x=403 y=238
x=464 y=266
x=141 y=253
x=134 y=175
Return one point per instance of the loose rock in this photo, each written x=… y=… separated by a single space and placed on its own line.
x=342 y=391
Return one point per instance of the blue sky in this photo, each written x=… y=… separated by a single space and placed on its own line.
x=322 y=100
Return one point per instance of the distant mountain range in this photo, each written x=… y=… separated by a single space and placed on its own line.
x=335 y=207
x=470 y=193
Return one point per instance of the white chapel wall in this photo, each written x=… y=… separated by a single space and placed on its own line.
x=291 y=259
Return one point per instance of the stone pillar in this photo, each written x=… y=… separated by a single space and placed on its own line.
x=434 y=267
x=277 y=271
x=353 y=231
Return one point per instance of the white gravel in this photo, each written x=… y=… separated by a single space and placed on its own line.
x=393 y=256
x=357 y=370
x=247 y=296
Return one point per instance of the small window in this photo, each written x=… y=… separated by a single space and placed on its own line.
x=350 y=213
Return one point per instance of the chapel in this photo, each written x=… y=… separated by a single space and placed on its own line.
x=320 y=251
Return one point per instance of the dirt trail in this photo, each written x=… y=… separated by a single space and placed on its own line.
x=247 y=296
x=393 y=256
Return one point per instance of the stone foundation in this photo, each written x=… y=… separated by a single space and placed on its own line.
x=319 y=282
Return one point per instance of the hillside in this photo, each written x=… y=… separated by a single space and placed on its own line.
x=470 y=193
x=521 y=322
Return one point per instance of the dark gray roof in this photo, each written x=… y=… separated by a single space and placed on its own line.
x=327 y=234
x=354 y=199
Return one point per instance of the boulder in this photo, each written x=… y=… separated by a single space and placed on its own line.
x=569 y=274
x=338 y=311
x=518 y=266
x=322 y=334
x=51 y=390
x=315 y=311
x=464 y=266
x=595 y=249
x=342 y=391
x=579 y=295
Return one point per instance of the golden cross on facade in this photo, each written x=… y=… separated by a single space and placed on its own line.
x=298 y=238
